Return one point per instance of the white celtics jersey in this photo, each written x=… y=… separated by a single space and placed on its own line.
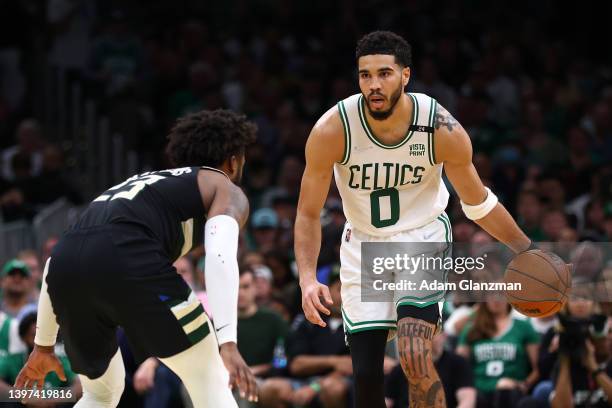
x=386 y=189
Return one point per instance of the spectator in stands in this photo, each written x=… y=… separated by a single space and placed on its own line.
x=11 y=364
x=32 y=261
x=569 y=356
x=16 y=283
x=264 y=224
x=263 y=284
x=587 y=259
x=260 y=330
x=529 y=212
x=455 y=374
x=284 y=282
x=319 y=362
x=116 y=58
x=30 y=143
x=289 y=178
x=552 y=192
x=553 y=222
x=157 y=384
x=14 y=195
x=503 y=352
x=52 y=184
x=185 y=267
x=10 y=342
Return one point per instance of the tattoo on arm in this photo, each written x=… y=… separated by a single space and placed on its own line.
x=444 y=118
x=238 y=206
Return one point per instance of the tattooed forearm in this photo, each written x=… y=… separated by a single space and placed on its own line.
x=415 y=349
x=444 y=118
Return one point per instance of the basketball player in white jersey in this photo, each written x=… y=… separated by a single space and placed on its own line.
x=387 y=150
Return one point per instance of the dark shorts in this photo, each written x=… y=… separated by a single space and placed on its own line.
x=116 y=275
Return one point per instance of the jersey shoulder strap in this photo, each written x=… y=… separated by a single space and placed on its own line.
x=348 y=109
x=426 y=113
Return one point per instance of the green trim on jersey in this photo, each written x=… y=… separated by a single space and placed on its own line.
x=432 y=152
x=352 y=331
x=419 y=299
x=409 y=303
x=443 y=218
x=364 y=322
x=5 y=327
x=372 y=136
x=347 y=133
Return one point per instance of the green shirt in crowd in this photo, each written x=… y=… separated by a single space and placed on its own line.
x=11 y=364
x=258 y=335
x=502 y=356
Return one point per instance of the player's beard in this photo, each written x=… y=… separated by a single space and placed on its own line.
x=382 y=115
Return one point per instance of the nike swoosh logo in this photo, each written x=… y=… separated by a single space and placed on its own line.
x=225 y=325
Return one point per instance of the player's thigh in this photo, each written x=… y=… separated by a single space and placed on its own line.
x=359 y=315
x=161 y=315
x=87 y=330
x=424 y=282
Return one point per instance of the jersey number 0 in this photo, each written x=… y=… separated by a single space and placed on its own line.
x=375 y=202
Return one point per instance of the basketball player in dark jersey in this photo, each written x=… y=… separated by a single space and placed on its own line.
x=114 y=268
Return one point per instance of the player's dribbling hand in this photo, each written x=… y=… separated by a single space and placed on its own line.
x=311 y=302
x=240 y=373
x=42 y=361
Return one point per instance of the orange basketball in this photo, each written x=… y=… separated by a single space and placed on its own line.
x=544 y=279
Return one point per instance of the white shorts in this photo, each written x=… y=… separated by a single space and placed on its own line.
x=359 y=315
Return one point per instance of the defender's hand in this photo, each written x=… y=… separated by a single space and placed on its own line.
x=240 y=374
x=41 y=362
x=311 y=302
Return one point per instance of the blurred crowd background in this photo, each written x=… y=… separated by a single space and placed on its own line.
x=89 y=89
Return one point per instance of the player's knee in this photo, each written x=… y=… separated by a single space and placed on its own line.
x=368 y=375
x=333 y=388
x=415 y=358
x=107 y=396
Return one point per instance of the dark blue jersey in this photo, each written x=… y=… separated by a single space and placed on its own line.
x=165 y=204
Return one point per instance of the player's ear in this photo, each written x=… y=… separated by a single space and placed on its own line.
x=405 y=76
x=231 y=164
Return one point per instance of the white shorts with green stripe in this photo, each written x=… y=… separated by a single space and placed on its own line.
x=359 y=315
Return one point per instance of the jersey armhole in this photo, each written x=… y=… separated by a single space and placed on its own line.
x=433 y=105
x=347 y=133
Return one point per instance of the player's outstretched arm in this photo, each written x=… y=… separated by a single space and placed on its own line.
x=42 y=360
x=324 y=147
x=454 y=148
x=228 y=210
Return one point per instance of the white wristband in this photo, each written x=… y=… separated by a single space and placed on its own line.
x=476 y=212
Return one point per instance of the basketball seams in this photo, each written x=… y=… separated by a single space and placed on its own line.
x=537 y=280
x=567 y=284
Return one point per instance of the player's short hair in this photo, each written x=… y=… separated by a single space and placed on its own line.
x=208 y=138
x=387 y=43
x=26 y=322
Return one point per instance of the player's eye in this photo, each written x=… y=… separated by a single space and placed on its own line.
x=364 y=75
